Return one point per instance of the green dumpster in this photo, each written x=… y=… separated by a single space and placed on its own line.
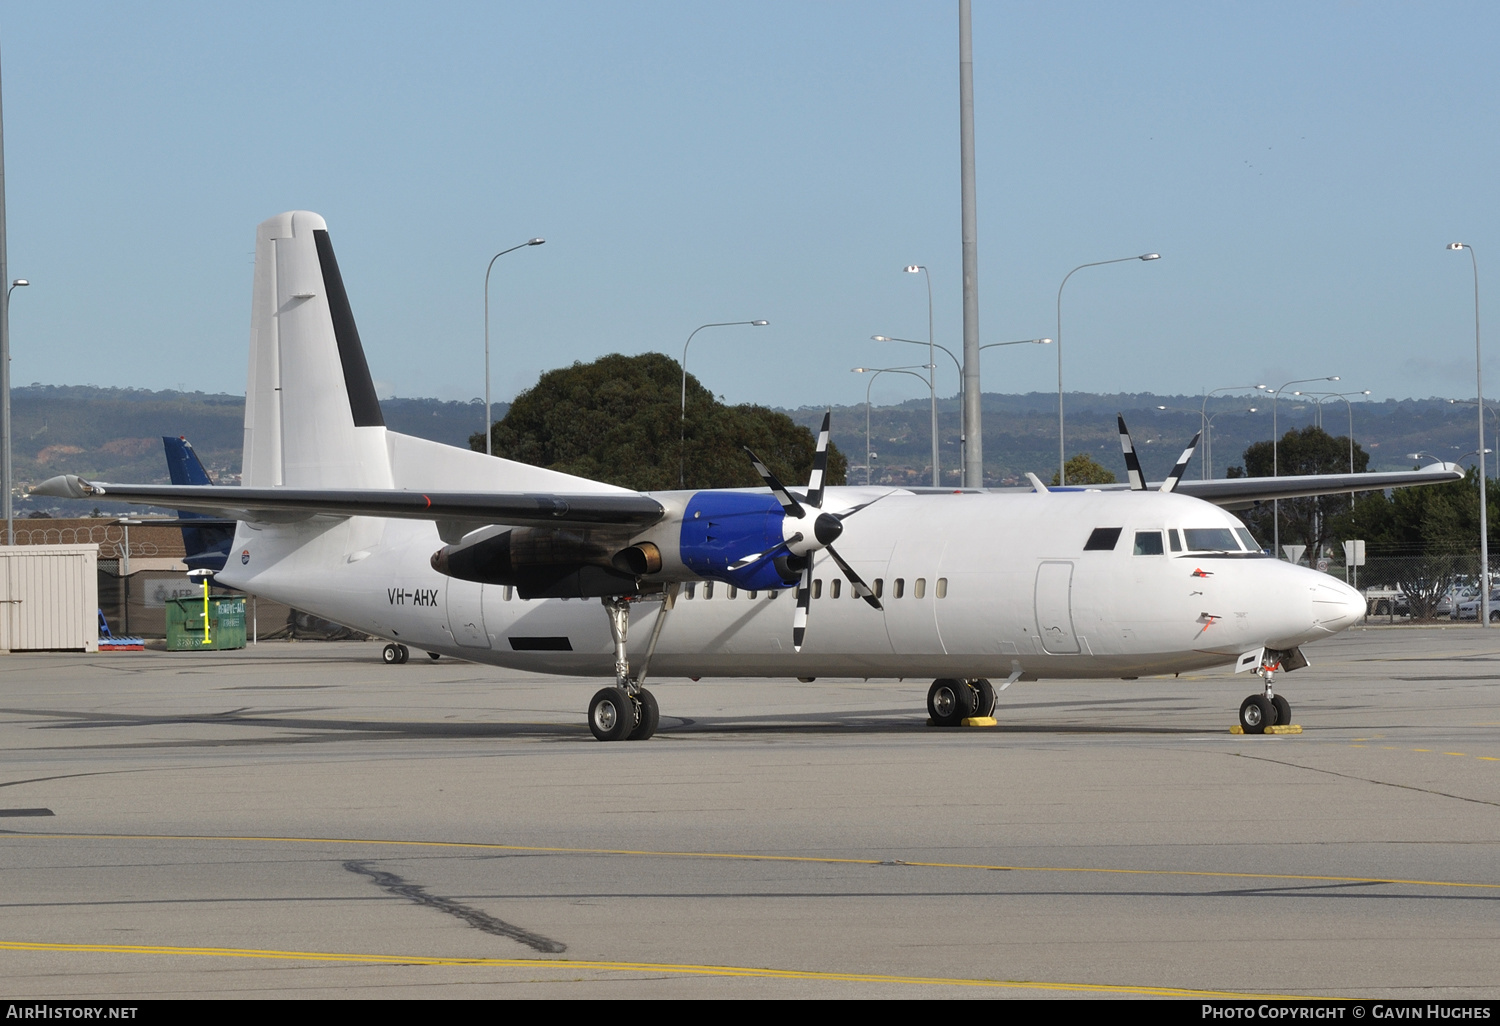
x=226 y=623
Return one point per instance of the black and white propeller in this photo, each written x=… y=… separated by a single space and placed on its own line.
x=1133 y=464
x=806 y=530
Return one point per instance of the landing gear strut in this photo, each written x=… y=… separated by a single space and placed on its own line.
x=627 y=711
x=1264 y=710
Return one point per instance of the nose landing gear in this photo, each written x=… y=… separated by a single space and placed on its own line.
x=1259 y=712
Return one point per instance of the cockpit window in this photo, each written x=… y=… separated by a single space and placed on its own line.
x=1175 y=540
x=1148 y=543
x=1247 y=538
x=1103 y=539
x=1210 y=539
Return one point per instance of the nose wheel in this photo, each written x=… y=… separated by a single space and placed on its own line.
x=1265 y=710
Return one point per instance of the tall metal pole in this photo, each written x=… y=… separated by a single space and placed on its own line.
x=489 y=425
x=931 y=372
x=1484 y=518
x=973 y=431
x=9 y=484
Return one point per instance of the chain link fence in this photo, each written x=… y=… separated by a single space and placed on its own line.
x=1415 y=588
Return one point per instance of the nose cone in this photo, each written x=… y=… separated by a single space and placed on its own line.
x=1336 y=606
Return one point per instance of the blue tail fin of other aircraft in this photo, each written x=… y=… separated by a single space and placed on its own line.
x=208 y=546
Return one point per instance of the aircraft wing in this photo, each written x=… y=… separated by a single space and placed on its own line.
x=1242 y=492
x=525 y=509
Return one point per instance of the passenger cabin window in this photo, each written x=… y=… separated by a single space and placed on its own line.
x=506 y=592
x=879 y=586
x=1210 y=539
x=692 y=587
x=733 y=591
x=752 y=594
x=817 y=587
x=834 y=587
x=899 y=588
x=1148 y=543
x=942 y=587
x=708 y=589
x=919 y=588
x=1103 y=539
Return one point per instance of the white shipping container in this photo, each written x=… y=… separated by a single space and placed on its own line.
x=49 y=598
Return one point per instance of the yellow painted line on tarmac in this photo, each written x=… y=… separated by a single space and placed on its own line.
x=753 y=857
x=689 y=969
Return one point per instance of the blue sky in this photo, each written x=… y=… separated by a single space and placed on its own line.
x=1300 y=168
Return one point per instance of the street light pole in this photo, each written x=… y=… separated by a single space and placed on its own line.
x=488 y=426
x=682 y=418
x=874 y=373
x=10 y=524
x=958 y=366
x=1062 y=460
x=1484 y=525
x=1208 y=445
x=931 y=373
x=1276 y=457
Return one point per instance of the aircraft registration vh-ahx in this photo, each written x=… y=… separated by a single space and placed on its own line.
x=458 y=553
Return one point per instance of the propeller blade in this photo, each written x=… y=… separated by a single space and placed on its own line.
x=820 y=465
x=804 y=600
x=1132 y=465
x=1170 y=484
x=862 y=505
x=770 y=553
x=792 y=507
x=860 y=587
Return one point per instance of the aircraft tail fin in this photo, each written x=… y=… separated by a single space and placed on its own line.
x=205 y=547
x=311 y=416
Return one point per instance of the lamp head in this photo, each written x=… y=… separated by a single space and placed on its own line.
x=19 y=283
x=536 y=242
x=913 y=268
x=760 y=324
x=1150 y=256
x=1042 y=341
x=879 y=338
x=1458 y=245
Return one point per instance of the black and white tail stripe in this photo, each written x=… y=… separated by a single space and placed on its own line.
x=1170 y=484
x=1132 y=464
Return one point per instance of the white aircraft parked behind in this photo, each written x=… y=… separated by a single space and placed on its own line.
x=458 y=553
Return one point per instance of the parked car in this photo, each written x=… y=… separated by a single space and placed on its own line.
x=1468 y=609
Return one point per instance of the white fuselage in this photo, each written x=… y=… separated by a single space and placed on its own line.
x=972 y=584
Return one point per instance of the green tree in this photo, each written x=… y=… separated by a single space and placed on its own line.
x=1309 y=450
x=1083 y=469
x=617 y=420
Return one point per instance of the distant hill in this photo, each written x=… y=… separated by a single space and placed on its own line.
x=115 y=433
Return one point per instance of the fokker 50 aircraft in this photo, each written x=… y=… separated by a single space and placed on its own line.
x=458 y=553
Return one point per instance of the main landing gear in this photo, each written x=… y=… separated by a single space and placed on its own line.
x=951 y=701
x=394 y=654
x=627 y=711
x=1265 y=710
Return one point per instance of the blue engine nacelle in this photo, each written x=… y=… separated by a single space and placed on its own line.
x=720 y=529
